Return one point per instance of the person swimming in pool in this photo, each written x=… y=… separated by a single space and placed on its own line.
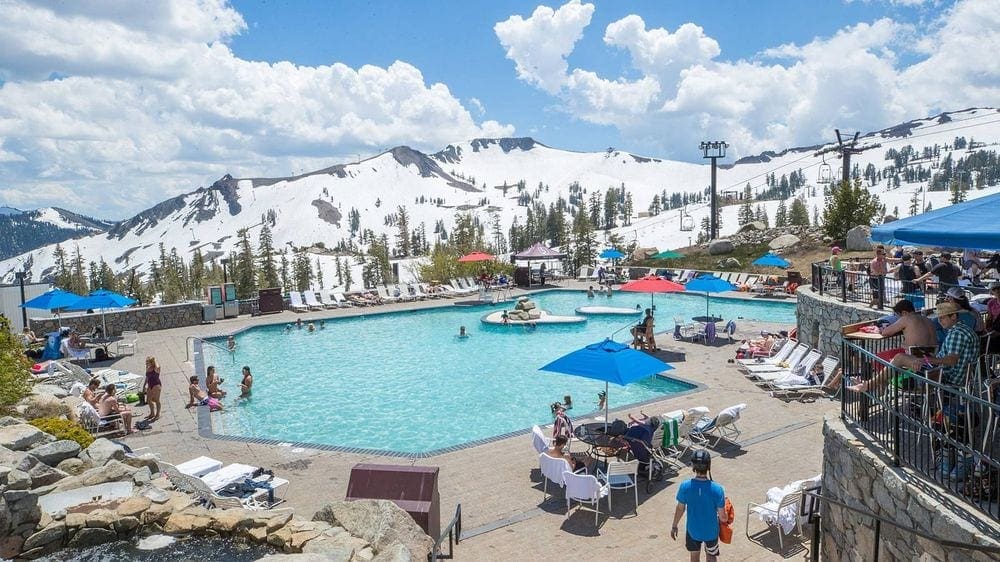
x=231 y=343
x=322 y=324
x=311 y=327
x=298 y=323
x=590 y=292
x=246 y=385
x=462 y=334
x=287 y=330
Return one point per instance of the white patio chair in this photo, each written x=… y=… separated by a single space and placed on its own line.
x=539 y=441
x=781 y=509
x=622 y=476
x=383 y=293
x=130 y=340
x=584 y=489
x=796 y=355
x=325 y=302
x=341 y=300
x=796 y=372
x=310 y=300
x=552 y=469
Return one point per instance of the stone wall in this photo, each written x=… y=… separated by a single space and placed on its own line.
x=142 y=319
x=853 y=474
x=820 y=318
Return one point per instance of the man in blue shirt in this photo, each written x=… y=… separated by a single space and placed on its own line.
x=704 y=500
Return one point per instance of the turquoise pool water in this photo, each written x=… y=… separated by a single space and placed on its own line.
x=404 y=382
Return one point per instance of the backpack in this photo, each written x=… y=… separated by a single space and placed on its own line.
x=101 y=354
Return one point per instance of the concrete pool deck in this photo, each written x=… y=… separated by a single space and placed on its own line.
x=497 y=483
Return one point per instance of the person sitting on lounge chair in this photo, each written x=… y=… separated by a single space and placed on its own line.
x=90 y=394
x=558 y=451
x=640 y=329
x=108 y=405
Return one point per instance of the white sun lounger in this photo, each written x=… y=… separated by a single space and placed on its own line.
x=295 y=299
x=341 y=300
x=792 y=356
x=786 y=376
x=325 y=302
x=199 y=466
x=310 y=300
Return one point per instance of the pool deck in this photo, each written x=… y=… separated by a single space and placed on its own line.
x=497 y=483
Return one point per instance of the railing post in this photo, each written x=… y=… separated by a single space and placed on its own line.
x=895 y=424
x=842 y=278
x=881 y=291
x=878 y=537
x=814 y=550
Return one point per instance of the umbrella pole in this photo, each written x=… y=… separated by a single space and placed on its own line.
x=104 y=325
x=606 y=405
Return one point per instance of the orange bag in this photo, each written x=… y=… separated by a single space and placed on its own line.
x=726 y=529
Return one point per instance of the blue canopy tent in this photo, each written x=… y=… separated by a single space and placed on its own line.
x=970 y=225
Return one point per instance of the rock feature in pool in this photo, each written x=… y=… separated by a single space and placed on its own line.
x=527 y=312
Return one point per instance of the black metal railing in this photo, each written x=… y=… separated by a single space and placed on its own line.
x=945 y=433
x=452 y=532
x=855 y=284
x=811 y=507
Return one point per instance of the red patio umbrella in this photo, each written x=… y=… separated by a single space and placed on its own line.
x=652 y=284
x=476 y=256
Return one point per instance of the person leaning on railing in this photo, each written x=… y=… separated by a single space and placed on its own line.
x=946 y=272
x=959 y=349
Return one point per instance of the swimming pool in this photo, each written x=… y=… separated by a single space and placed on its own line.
x=403 y=382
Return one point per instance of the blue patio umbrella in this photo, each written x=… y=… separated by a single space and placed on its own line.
x=53 y=299
x=771 y=260
x=608 y=361
x=708 y=284
x=611 y=254
x=102 y=299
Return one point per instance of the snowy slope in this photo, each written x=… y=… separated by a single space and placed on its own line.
x=314 y=207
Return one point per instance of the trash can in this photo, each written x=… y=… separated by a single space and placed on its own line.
x=413 y=488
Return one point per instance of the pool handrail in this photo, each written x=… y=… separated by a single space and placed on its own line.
x=187 y=347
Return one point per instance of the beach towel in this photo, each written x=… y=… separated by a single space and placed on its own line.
x=710 y=332
x=726 y=529
x=671 y=433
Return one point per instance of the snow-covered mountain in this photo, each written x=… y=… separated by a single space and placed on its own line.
x=480 y=177
x=23 y=231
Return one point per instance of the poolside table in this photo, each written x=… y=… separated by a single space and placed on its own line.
x=707 y=319
x=601 y=444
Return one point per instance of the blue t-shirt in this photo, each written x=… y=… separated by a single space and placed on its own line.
x=703 y=499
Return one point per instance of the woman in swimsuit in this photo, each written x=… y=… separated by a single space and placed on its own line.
x=152 y=388
x=246 y=385
x=212 y=382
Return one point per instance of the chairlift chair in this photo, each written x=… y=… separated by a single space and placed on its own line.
x=687 y=222
x=825 y=173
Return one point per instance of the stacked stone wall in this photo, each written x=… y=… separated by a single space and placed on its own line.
x=820 y=318
x=142 y=319
x=856 y=476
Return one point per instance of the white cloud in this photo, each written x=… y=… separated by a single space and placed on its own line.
x=161 y=105
x=540 y=44
x=792 y=94
x=477 y=105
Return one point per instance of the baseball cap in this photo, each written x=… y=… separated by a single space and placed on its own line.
x=947 y=308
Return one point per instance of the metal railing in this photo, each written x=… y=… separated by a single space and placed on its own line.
x=947 y=434
x=453 y=532
x=811 y=507
x=188 y=347
x=855 y=284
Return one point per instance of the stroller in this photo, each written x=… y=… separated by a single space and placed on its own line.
x=639 y=439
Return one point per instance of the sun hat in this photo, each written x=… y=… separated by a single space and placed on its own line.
x=947 y=308
x=835 y=249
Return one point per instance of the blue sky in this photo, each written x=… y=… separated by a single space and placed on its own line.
x=453 y=42
x=139 y=101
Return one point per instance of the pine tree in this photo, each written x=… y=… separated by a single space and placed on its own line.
x=403 y=235
x=319 y=274
x=851 y=205
x=243 y=266
x=348 y=278
x=62 y=274
x=816 y=221
x=610 y=208
x=627 y=209
x=760 y=215
x=584 y=241
x=301 y=270
x=78 y=278
x=957 y=193
x=914 y=203
x=286 y=279
x=798 y=215
x=781 y=214
x=267 y=273
x=339 y=273
x=745 y=215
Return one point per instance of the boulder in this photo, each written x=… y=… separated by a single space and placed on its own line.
x=54 y=453
x=8 y=420
x=139 y=461
x=720 y=246
x=142 y=476
x=784 y=241
x=101 y=518
x=731 y=262
x=752 y=226
x=44 y=475
x=101 y=451
x=50 y=390
x=125 y=524
x=53 y=532
x=21 y=437
x=73 y=466
x=114 y=471
x=18 y=480
x=313 y=557
x=133 y=506
x=186 y=522
x=379 y=522
x=85 y=538
x=395 y=553
x=859 y=239
x=11 y=459
x=229 y=520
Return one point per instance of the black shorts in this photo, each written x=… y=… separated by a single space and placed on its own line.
x=711 y=547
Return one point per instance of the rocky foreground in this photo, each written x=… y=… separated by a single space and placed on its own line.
x=37 y=472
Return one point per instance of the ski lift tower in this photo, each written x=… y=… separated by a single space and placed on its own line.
x=845 y=149
x=713 y=150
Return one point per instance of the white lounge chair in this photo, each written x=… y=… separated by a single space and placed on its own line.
x=796 y=372
x=686 y=438
x=552 y=469
x=584 y=489
x=74 y=354
x=584 y=274
x=199 y=466
x=723 y=425
x=310 y=300
x=325 y=302
x=778 y=352
x=782 y=389
x=130 y=340
x=383 y=293
x=405 y=294
x=775 y=363
x=295 y=302
x=341 y=300
x=459 y=289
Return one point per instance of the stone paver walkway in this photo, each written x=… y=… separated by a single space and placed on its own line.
x=498 y=484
